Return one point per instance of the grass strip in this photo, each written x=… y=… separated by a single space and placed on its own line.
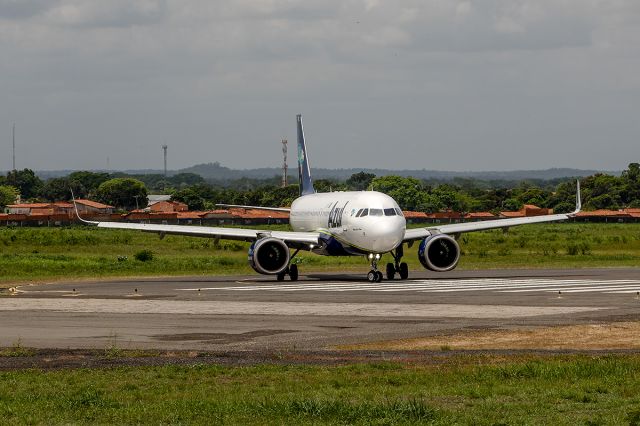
x=471 y=389
x=39 y=254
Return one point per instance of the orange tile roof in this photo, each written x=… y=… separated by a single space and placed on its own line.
x=258 y=214
x=603 y=213
x=190 y=215
x=29 y=206
x=414 y=215
x=512 y=214
x=94 y=204
x=480 y=214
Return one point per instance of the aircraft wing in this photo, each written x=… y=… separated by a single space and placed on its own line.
x=293 y=239
x=459 y=228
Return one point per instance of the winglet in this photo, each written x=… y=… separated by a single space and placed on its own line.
x=75 y=206
x=304 y=172
x=578 y=199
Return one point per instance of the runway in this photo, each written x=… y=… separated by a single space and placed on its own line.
x=319 y=311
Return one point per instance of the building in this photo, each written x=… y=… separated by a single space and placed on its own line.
x=167 y=206
x=526 y=211
x=93 y=207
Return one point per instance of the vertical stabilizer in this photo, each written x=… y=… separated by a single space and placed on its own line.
x=304 y=173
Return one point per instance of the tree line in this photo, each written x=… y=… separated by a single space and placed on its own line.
x=126 y=192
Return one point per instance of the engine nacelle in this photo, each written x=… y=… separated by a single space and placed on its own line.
x=269 y=256
x=439 y=253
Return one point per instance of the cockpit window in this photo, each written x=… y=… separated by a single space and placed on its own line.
x=389 y=212
x=399 y=211
x=365 y=212
x=359 y=213
x=375 y=212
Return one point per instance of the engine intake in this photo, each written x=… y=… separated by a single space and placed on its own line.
x=269 y=256
x=439 y=253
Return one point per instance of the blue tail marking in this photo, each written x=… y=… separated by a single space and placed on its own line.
x=304 y=173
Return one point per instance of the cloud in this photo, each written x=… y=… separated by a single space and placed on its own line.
x=23 y=9
x=111 y=13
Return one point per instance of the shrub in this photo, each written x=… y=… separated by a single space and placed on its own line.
x=144 y=255
x=572 y=249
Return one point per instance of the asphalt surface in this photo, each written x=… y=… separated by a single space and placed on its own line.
x=255 y=313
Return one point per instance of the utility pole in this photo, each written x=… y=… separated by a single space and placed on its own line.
x=13 y=134
x=284 y=163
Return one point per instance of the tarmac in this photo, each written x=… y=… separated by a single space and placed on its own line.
x=320 y=311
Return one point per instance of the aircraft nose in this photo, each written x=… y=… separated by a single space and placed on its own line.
x=387 y=234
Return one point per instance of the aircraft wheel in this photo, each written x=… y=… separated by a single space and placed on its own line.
x=372 y=276
x=293 y=272
x=404 y=271
x=391 y=271
x=280 y=276
x=378 y=277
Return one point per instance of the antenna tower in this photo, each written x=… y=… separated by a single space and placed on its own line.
x=164 y=148
x=284 y=163
x=13 y=135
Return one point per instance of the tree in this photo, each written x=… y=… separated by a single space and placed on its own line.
x=8 y=195
x=407 y=191
x=59 y=189
x=25 y=181
x=124 y=193
x=360 y=181
x=89 y=181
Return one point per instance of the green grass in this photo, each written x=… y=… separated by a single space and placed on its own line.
x=37 y=254
x=479 y=390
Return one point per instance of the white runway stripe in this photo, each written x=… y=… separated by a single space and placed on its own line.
x=502 y=285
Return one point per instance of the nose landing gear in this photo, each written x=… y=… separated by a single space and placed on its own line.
x=374 y=276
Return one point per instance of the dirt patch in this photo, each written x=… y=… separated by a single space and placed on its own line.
x=611 y=336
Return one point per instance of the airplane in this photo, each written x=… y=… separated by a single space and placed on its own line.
x=350 y=223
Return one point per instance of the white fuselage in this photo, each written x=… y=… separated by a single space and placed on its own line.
x=368 y=221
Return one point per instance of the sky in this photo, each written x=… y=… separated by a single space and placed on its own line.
x=419 y=84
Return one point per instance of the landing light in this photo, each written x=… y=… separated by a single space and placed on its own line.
x=370 y=256
x=377 y=257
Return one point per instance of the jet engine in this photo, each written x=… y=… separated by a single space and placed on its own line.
x=269 y=256
x=439 y=253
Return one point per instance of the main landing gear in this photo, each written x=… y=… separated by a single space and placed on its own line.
x=291 y=270
x=397 y=267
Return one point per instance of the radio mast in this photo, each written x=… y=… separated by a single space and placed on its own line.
x=13 y=135
x=284 y=163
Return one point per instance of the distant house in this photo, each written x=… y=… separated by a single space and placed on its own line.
x=478 y=216
x=167 y=206
x=526 y=211
x=27 y=208
x=88 y=206
x=39 y=209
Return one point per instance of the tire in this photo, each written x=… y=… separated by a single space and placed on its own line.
x=372 y=276
x=293 y=272
x=280 y=276
x=391 y=271
x=378 y=277
x=404 y=271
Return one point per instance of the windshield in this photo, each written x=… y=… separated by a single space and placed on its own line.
x=375 y=212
